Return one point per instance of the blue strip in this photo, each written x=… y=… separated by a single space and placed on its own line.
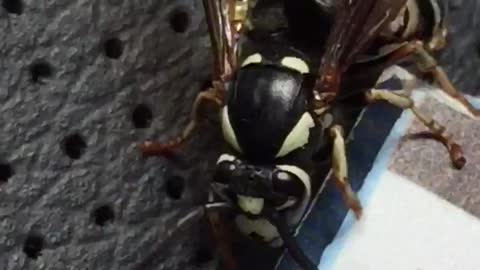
x=329 y=212
x=332 y=252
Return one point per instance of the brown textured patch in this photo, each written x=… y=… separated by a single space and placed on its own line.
x=426 y=162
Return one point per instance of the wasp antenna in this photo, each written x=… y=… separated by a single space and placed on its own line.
x=289 y=240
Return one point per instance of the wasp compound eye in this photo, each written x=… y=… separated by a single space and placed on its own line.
x=224 y=171
x=287 y=183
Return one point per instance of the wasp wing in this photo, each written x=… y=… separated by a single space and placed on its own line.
x=357 y=23
x=379 y=17
x=223 y=35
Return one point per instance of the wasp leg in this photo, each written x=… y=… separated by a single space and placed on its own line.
x=217 y=227
x=438 y=41
x=214 y=95
x=340 y=171
x=427 y=64
x=438 y=132
x=221 y=238
x=225 y=20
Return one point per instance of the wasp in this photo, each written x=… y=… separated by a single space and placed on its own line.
x=278 y=106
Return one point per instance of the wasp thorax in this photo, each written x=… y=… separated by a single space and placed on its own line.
x=297 y=137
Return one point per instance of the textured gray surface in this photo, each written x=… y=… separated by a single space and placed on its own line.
x=427 y=163
x=53 y=196
x=461 y=58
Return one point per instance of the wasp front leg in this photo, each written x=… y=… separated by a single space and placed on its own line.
x=427 y=64
x=225 y=20
x=221 y=237
x=438 y=132
x=213 y=95
x=340 y=171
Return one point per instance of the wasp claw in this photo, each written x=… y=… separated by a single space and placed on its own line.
x=355 y=205
x=353 y=202
x=454 y=150
x=456 y=154
x=358 y=211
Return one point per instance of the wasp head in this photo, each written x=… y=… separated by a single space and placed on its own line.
x=254 y=186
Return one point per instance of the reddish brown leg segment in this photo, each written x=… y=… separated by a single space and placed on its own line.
x=455 y=150
x=221 y=239
x=427 y=64
x=214 y=94
x=340 y=172
x=437 y=131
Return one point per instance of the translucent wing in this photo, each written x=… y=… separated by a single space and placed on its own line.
x=357 y=23
x=220 y=15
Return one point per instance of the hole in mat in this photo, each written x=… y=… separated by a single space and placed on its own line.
x=6 y=171
x=175 y=187
x=103 y=215
x=179 y=20
x=74 y=146
x=13 y=6
x=142 y=116
x=33 y=246
x=40 y=69
x=113 y=48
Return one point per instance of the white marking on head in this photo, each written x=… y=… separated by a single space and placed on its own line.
x=250 y=205
x=295 y=216
x=299 y=135
x=295 y=64
x=227 y=129
x=283 y=176
x=226 y=157
x=259 y=226
x=252 y=59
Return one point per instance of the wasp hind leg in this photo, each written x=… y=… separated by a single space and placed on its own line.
x=340 y=171
x=213 y=95
x=437 y=131
x=428 y=65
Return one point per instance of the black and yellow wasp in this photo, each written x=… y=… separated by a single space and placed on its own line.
x=280 y=103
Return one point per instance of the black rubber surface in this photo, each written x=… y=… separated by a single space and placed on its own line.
x=80 y=83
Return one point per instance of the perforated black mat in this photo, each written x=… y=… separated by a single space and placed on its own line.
x=80 y=83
